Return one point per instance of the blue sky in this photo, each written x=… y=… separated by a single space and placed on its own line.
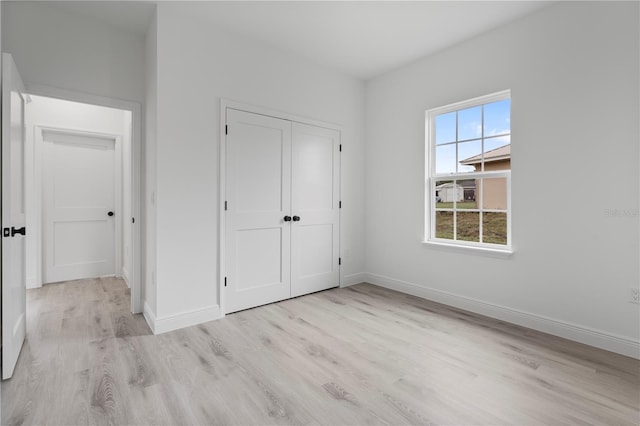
x=497 y=127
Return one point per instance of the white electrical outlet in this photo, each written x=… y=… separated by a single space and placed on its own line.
x=634 y=295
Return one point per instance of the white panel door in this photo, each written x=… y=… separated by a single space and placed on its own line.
x=79 y=206
x=257 y=237
x=13 y=217
x=314 y=205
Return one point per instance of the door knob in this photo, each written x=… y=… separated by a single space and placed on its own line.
x=296 y=218
x=110 y=214
x=287 y=218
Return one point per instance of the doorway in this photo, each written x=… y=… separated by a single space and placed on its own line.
x=22 y=149
x=82 y=175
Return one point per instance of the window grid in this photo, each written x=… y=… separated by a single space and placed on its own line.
x=479 y=176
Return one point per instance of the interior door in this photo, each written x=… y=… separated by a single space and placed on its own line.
x=258 y=201
x=315 y=197
x=13 y=216
x=78 y=206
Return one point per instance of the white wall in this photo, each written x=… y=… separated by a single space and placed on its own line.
x=197 y=65
x=148 y=207
x=56 y=48
x=573 y=70
x=60 y=114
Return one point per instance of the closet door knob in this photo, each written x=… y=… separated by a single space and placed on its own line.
x=287 y=218
x=296 y=218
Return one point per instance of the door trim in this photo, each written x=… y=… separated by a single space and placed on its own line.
x=222 y=172
x=135 y=108
x=39 y=189
x=13 y=309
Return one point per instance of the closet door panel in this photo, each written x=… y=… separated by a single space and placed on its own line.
x=314 y=199
x=258 y=192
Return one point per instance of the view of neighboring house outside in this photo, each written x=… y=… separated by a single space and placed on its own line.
x=494 y=195
x=448 y=193
x=469 y=186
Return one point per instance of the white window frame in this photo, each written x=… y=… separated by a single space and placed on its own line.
x=431 y=177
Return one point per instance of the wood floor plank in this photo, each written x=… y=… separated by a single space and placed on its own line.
x=362 y=355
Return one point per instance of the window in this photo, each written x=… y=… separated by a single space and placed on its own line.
x=468 y=170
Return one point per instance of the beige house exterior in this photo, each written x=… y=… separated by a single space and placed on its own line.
x=494 y=194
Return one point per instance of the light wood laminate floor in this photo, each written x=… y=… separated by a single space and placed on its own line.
x=360 y=355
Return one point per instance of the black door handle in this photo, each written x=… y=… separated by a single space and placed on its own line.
x=296 y=218
x=110 y=214
x=21 y=231
x=287 y=218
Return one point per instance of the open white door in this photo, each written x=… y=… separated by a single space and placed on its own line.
x=14 y=304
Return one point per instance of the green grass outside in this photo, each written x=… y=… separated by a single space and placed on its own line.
x=494 y=226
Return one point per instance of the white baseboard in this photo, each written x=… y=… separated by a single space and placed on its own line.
x=352 y=279
x=181 y=320
x=150 y=317
x=125 y=276
x=33 y=283
x=598 y=338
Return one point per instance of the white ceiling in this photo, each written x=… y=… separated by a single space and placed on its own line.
x=360 y=38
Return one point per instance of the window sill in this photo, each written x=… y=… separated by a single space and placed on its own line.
x=485 y=251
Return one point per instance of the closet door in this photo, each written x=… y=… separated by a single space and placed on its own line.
x=314 y=200
x=258 y=197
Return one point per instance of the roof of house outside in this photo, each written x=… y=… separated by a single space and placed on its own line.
x=448 y=185
x=497 y=154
